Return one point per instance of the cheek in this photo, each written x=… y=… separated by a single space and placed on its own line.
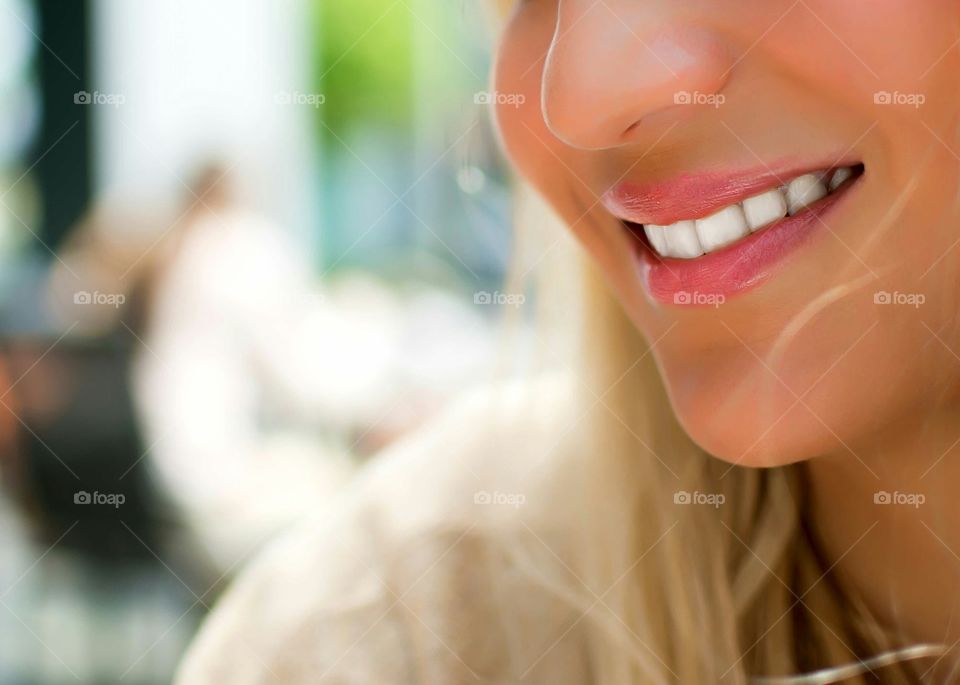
x=895 y=42
x=900 y=59
x=855 y=50
x=560 y=173
x=517 y=79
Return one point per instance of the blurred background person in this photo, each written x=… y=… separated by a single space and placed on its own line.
x=229 y=274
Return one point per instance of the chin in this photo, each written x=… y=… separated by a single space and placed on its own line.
x=752 y=426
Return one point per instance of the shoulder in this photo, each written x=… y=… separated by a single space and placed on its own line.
x=410 y=578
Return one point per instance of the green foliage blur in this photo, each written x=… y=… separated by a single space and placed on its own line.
x=363 y=64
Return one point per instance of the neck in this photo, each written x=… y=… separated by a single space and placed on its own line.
x=890 y=524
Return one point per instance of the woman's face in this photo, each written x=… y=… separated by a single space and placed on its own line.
x=770 y=188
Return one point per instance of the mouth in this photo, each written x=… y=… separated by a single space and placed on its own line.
x=719 y=235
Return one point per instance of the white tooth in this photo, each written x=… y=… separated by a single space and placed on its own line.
x=682 y=240
x=726 y=226
x=765 y=209
x=803 y=192
x=839 y=176
x=656 y=238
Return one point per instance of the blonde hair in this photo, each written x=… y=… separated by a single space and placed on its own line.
x=735 y=594
x=740 y=593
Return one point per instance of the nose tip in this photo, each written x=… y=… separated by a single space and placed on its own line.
x=603 y=76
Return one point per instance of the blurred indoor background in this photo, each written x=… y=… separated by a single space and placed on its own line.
x=244 y=244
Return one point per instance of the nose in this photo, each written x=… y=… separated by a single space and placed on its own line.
x=613 y=64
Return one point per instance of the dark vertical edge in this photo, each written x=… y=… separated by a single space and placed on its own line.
x=62 y=151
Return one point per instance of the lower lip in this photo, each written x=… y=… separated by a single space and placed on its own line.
x=734 y=269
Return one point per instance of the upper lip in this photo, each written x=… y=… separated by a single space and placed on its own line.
x=697 y=195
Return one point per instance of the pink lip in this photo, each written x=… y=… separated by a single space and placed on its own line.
x=694 y=196
x=737 y=268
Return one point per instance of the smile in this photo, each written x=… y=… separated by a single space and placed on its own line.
x=723 y=234
x=693 y=238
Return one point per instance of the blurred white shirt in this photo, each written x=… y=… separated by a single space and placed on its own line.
x=253 y=383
